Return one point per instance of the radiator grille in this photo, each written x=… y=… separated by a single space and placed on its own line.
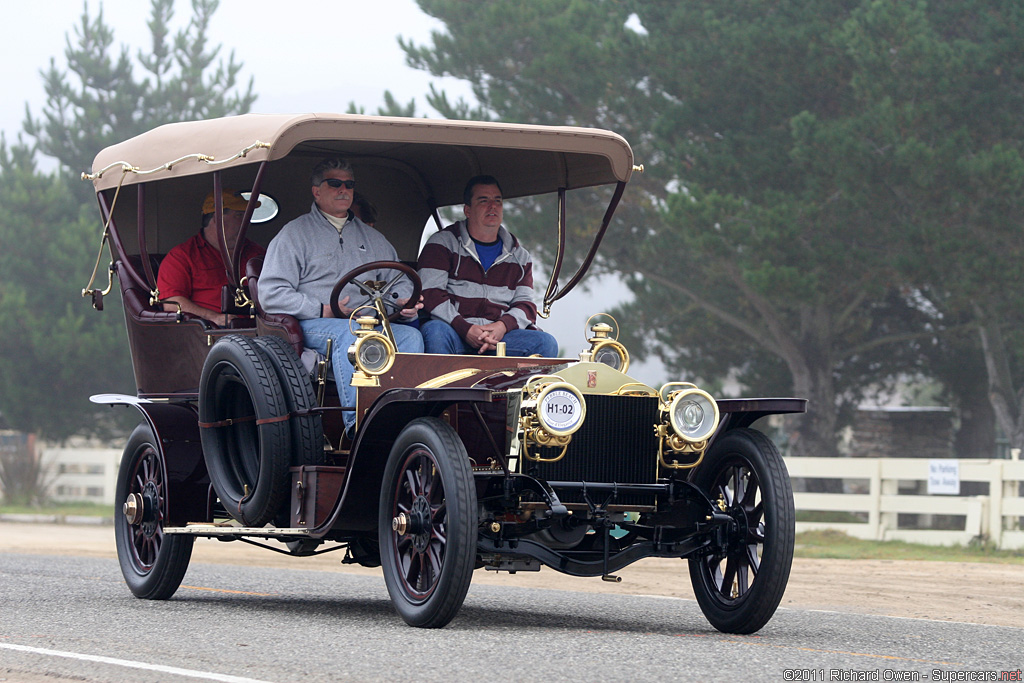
x=615 y=444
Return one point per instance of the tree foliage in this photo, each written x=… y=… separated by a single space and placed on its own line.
x=946 y=96
x=99 y=99
x=57 y=350
x=812 y=170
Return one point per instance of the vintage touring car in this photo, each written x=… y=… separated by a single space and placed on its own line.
x=457 y=462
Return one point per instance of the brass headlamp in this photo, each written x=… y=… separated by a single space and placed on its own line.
x=689 y=416
x=552 y=411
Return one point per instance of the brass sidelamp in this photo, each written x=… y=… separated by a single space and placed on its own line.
x=604 y=346
x=372 y=354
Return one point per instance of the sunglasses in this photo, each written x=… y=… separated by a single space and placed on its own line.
x=337 y=182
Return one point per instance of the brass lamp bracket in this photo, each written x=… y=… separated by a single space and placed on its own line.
x=367 y=321
x=670 y=443
x=534 y=433
x=242 y=299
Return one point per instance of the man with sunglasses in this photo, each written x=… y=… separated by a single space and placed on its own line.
x=308 y=257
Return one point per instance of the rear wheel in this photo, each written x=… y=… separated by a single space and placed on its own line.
x=740 y=584
x=428 y=523
x=153 y=564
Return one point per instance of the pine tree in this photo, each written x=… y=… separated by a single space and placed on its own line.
x=98 y=100
x=57 y=350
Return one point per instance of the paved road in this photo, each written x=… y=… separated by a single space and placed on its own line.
x=72 y=619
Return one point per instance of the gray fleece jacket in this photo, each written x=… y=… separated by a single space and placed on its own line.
x=307 y=258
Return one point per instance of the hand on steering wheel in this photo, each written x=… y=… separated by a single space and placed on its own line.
x=379 y=292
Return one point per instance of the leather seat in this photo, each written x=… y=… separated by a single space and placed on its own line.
x=279 y=324
x=136 y=298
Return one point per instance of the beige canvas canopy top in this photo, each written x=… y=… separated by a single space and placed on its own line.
x=530 y=159
x=154 y=184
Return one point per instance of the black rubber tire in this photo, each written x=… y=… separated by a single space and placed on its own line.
x=153 y=564
x=428 y=569
x=740 y=587
x=248 y=459
x=307 y=432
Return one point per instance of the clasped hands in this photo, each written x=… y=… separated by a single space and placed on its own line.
x=485 y=338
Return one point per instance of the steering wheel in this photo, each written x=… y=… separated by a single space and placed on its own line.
x=377 y=291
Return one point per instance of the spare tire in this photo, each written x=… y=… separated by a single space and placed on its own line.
x=306 y=428
x=245 y=433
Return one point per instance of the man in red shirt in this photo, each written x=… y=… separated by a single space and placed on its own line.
x=192 y=274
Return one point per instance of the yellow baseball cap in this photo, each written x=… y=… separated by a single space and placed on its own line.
x=232 y=200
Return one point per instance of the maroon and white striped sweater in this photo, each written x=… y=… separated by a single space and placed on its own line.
x=458 y=291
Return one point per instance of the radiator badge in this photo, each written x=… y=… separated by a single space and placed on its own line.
x=591 y=378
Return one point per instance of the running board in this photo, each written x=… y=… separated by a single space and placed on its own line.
x=215 y=530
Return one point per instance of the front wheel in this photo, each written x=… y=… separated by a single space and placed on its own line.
x=740 y=583
x=427 y=526
x=153 y=564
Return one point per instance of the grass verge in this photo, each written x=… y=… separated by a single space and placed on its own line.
x=60 y=509
x=837 y=545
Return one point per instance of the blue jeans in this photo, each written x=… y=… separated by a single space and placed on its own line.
x=318 y=330
x=440 y=337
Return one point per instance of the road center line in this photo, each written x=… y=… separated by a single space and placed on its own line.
x=224 y=678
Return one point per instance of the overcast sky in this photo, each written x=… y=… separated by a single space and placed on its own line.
x=305 y=55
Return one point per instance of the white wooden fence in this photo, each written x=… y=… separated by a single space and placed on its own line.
x=876 y=483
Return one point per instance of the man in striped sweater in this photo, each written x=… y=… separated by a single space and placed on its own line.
x=478 y=283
